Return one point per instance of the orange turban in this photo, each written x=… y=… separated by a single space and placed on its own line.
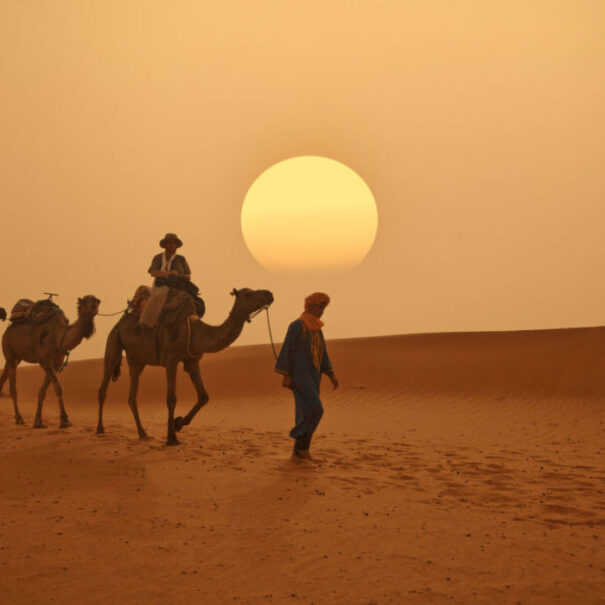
x=316 y=299
x=311 y=322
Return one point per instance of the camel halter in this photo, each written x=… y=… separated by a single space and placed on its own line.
x=255 y=313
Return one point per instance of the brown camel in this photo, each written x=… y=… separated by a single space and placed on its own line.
x=46 y=342
x=2 y=314
x=166 y=346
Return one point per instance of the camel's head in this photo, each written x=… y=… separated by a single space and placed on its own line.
x=88 y=305
x=248 y=302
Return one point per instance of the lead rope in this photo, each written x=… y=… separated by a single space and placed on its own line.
x=270 y=333
x=254 y=314
x=112 y=314
x=64 y=364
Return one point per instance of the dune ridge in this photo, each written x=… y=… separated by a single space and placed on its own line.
x=558 y=362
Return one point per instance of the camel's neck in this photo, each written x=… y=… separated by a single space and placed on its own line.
x=210 y=339
x=74 y=333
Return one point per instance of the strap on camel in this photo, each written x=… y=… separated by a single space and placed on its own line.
x=64 y=364
x=66 y=353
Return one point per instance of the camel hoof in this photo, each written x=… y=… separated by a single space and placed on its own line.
x=143 y=437
x=173 y=442
x=179 y=423
x=100 y=430
x=19 y=420
x=38 y=425
x=65 y=424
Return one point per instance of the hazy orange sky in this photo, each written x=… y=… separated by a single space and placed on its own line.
x=478 y=126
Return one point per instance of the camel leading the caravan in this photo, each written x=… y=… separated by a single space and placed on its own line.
x=46 y=339
x=185 y=341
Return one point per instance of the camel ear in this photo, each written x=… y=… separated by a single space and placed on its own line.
x=234 y=292
x=79 y=301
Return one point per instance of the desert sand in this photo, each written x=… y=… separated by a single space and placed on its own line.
x=462 y=468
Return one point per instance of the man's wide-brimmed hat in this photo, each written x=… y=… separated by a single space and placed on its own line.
x=172 y=236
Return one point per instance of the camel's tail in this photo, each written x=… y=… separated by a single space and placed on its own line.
x=113 y=361
x=116 y=371
x=113 y=354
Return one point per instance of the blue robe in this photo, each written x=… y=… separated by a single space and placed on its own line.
x=304 y=357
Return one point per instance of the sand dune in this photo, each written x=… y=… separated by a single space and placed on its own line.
x=464 y=467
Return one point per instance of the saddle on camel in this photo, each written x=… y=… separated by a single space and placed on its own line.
x=26 y=310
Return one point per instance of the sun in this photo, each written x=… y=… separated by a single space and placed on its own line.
x=309 y=213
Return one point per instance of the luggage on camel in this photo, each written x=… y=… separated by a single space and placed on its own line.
x=26 y=310
x=21 y=309
x=140 y=298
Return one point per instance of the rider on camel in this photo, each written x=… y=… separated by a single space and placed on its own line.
x=166 y=265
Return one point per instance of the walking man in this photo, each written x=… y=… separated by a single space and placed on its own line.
x=302 y=360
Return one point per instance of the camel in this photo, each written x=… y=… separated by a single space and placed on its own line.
x=46 y=340
x=166 y=346
x=2 y=314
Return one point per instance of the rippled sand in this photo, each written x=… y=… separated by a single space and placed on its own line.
x=449 y=467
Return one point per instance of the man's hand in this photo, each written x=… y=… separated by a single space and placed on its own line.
x=333 y=380
x=287 y=381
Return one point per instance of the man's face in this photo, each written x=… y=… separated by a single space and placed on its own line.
x=170 y=247
x=317 y=310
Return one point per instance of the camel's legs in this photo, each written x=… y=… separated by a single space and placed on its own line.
x=192 y=368
x=112 y=361
x=135 y=372
x=38 y=424
x=171 y=402
x=102 y=393
x=4 y=377
x=64 y=420
x=12 y=381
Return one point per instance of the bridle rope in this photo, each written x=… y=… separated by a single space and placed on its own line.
x=270 y=333
x=112 y=314
x=255 y=313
